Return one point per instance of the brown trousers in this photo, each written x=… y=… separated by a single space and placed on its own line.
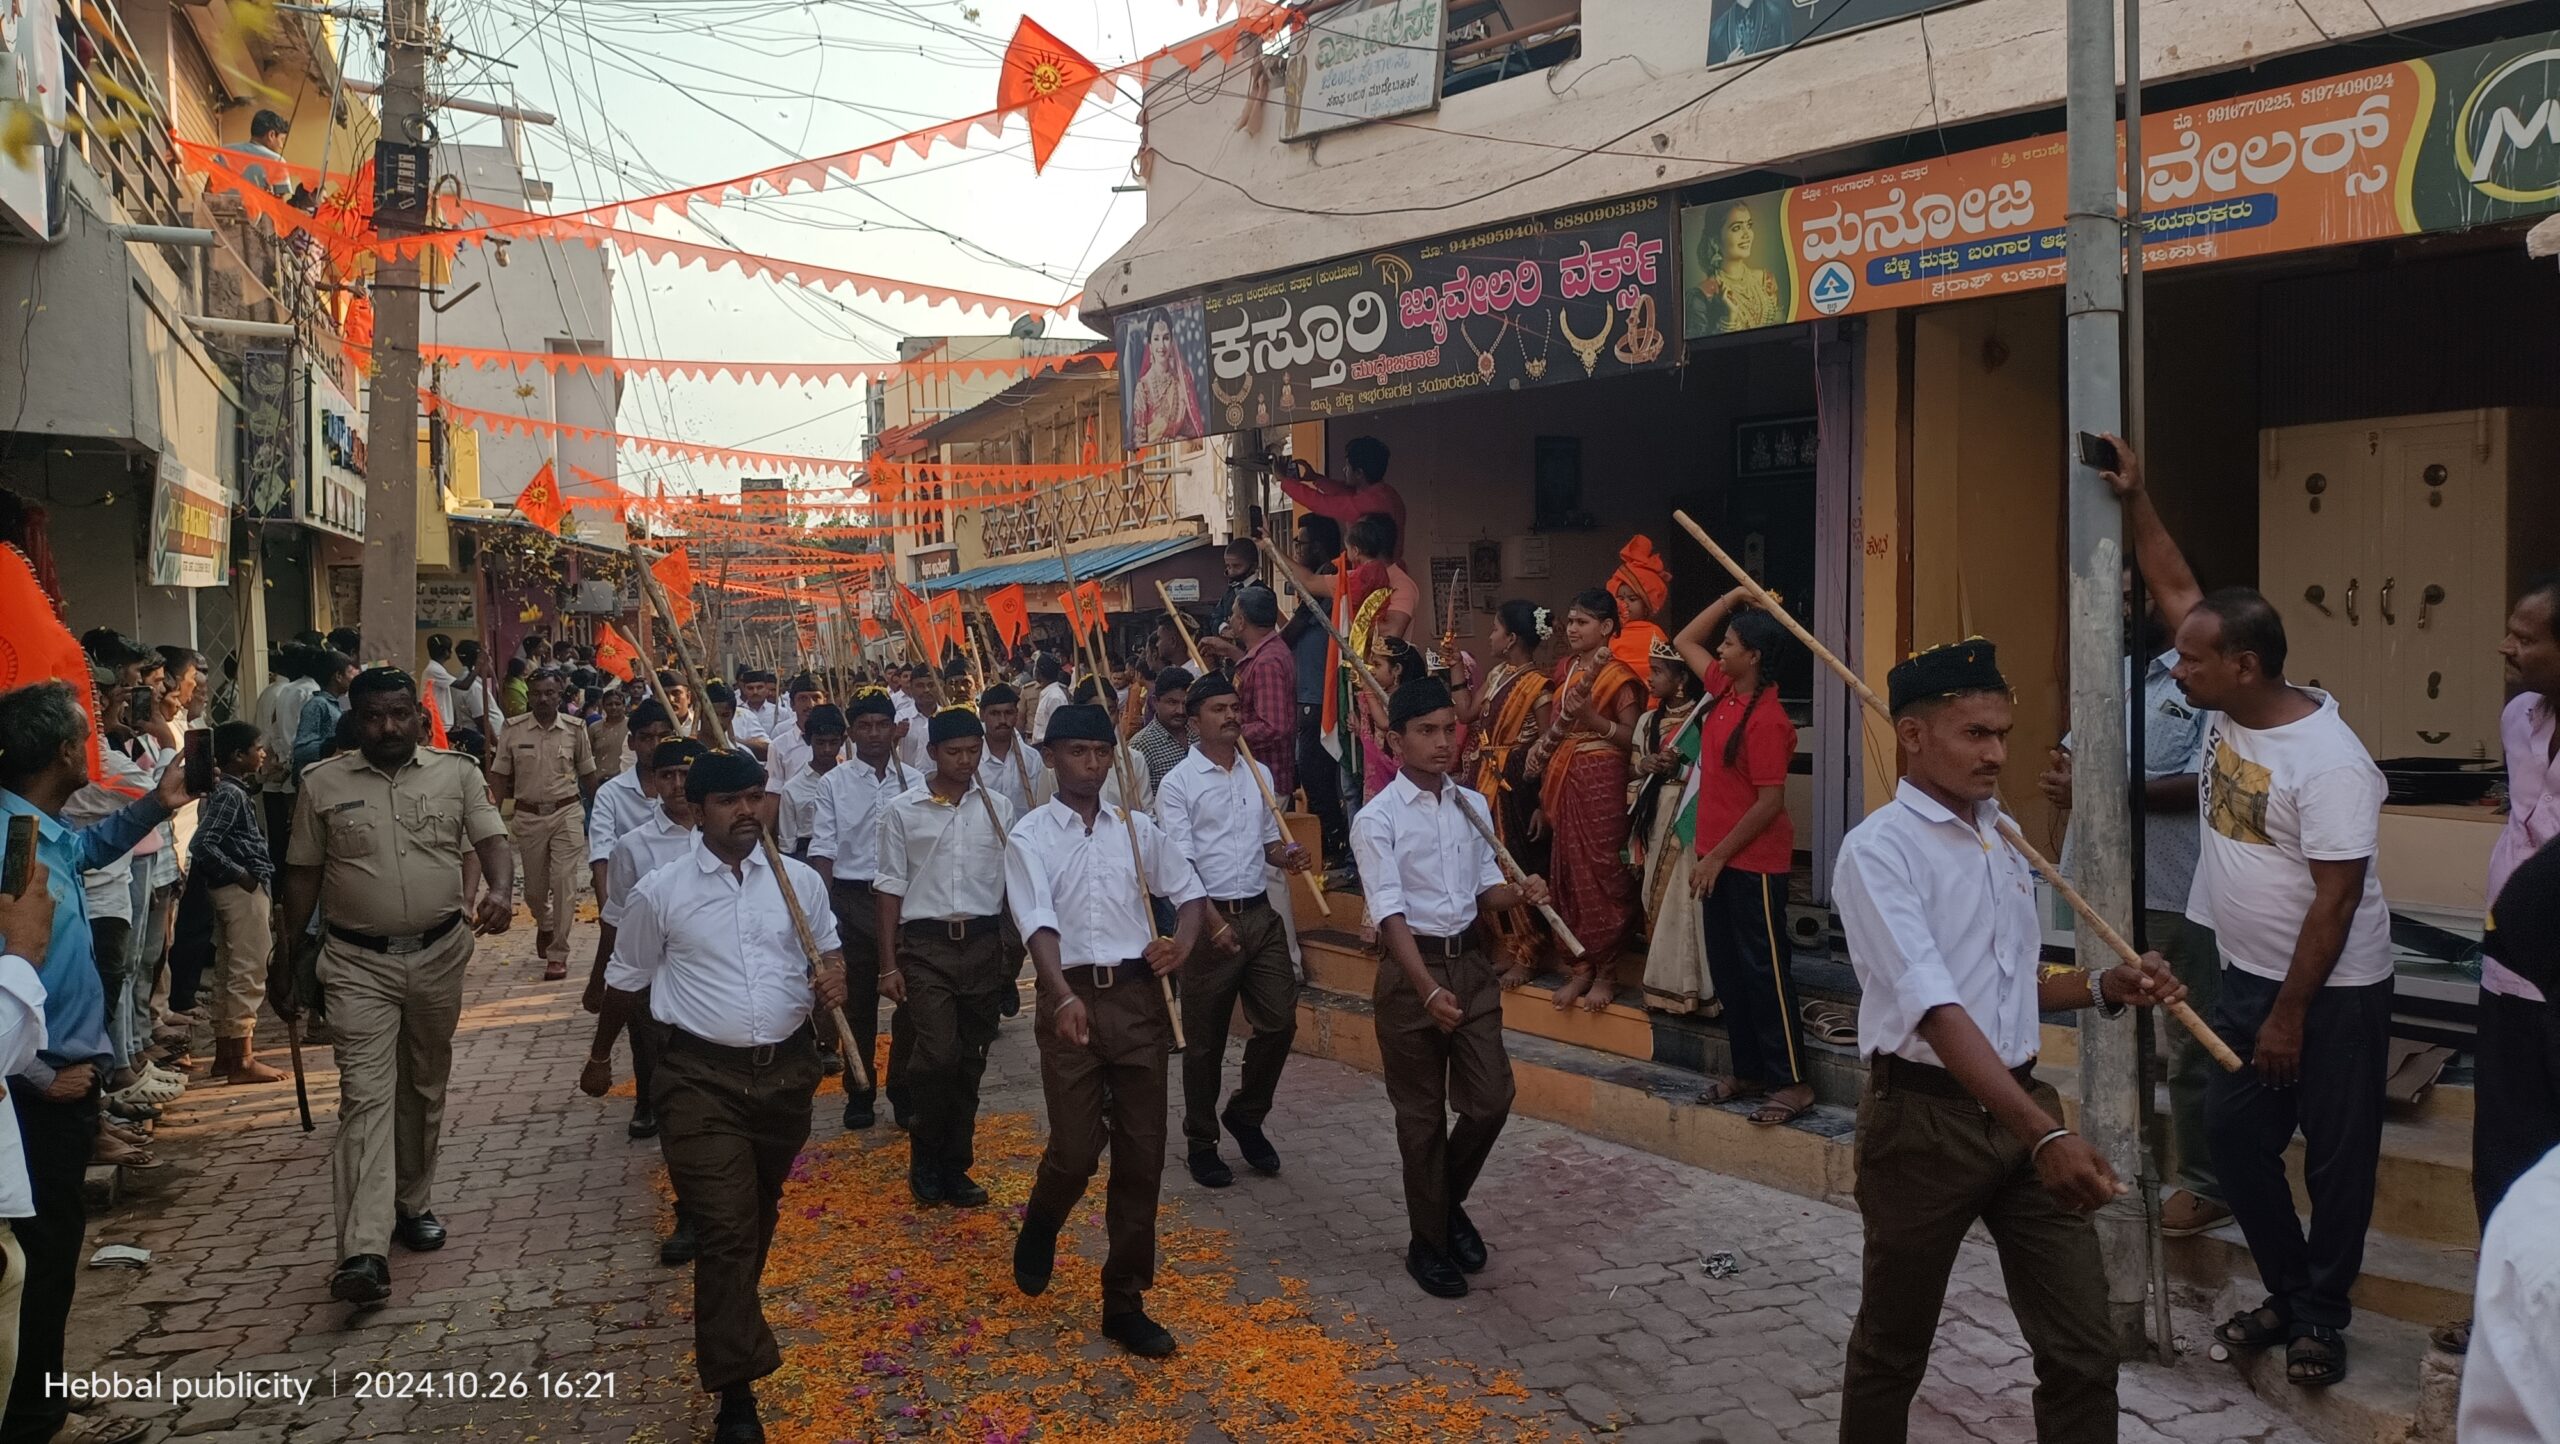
x=955 y=1000
x=1261 y=976
x=1111 y=1090
x=729 y=1129
x=1928 y=1166
x=1433 y=1074
x=858 y=928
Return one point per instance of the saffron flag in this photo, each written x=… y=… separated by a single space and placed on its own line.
x=540 y=501
x=872 y=631
x=38 y=648
x=436 y=736
x=950 y=625
x=1010 y=609
x=1046 y=80
x=1089 y=605
x=674 y=572
x=615 y=654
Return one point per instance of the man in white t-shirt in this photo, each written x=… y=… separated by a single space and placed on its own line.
x=2292 y=810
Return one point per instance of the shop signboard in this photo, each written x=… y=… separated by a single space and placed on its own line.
x=1535 y=302
x=2456 y=140
x=190 y=527
x=1740 y=29
x=333 y=486
x=447 y=601
x=1364 y=61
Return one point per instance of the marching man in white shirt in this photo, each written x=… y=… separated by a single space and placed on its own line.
x=821 y=738
x=710 y=940
x=942 y=956
x=1429 y=874
x=1009 y=767
x=1102 y=1024
x=1212 y=811
x=625 y=800
x=1941 y=921
x=844 y=846
x=665 y=837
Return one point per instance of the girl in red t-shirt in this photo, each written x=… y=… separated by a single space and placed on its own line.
x=1746 y=849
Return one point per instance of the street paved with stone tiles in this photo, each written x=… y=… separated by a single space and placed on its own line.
x=548 y=1315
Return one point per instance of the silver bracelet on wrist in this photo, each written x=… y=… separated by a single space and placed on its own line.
x=1435 y=992
x=2038 y=1151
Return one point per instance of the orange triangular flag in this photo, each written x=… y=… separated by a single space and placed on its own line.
x=540 y=501
x=39 y=648
x=1010 y=609
x=1045 y=80
x=615 y=654
x=674 y=572
x=872 y=631
x=436 y=736
x=1089 y=605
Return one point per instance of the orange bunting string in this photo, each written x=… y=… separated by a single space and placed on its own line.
x=791 y=373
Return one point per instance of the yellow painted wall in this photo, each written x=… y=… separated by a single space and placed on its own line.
x=1987 y=426
x=1881 y=546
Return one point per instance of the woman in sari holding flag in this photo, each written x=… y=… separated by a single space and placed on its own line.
x=1664 y=814
x=1501 y=713
x=1581 y=765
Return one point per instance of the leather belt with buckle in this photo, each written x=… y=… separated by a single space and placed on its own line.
x=1236 y=907
x=958 y=930
x=1431 y=947
x=541 y=809
x=1888 y=1072
x=762 y=1055
x=396 y=947
x=1094 y=976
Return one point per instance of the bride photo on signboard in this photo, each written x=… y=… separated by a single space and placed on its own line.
x=1163 y=359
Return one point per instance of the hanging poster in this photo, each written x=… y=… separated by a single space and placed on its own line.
x=1534 y=302
x=2456 y=140
x=1163 y=356
x=1367 y=60
x=190 y=527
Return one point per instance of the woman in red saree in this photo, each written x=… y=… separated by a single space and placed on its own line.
x=1581 y=764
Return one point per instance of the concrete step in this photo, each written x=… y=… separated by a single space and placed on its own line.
x=2404 y=1279
x=2399 y=1389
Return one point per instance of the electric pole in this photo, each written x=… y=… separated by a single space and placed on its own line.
x=2102 y=815
x=404 y=159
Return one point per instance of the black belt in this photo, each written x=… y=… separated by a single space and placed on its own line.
x=1099 y=975
x=377 y=943
x=803 y=1039
x=1236 y=907
x=1431 y=947
x=858 y=884
x=958 y=930
x=1888 y=1072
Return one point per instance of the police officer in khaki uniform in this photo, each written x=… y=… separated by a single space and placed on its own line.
x=378 y=838
x=545 y=762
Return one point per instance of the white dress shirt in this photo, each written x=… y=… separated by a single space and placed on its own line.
x=846 y=828
x=745 y=727
x=799 y=810
x=1080 y=885
x=279 y=716
x=943 y=859
x=1938 y=909
x=1215 y=816
x=786 y=753
x=640 y=852
x=716 y=949
x=621 y=807
x=2510 y=1391
x=911 y=746
x=439 y=680
x=1052 y=697
x=1420 y=857
x=1013 y=776
x=1044 y=784
x=21 y=1035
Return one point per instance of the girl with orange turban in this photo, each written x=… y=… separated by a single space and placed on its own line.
x=1642 y=585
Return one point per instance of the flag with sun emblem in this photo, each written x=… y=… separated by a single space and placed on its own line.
x=1045 y=80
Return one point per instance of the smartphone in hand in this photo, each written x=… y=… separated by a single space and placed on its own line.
x=198 y=745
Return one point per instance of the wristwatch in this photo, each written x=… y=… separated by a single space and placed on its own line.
x=2098 y=995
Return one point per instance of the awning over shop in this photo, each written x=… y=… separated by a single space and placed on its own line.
x=1094 y=564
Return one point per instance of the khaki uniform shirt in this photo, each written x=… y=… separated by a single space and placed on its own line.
x=609 y=740
x=543 y=764
x=390 y=844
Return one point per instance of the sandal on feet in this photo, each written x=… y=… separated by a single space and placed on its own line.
x=1777 y=1112
x=2258 y=1328
x=1728 y=1090
x=2316 y=1358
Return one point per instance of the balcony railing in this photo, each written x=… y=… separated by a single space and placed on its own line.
x=119 y=120
x=1139 y=494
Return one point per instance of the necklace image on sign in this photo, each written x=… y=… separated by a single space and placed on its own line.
x=1642 y=340
x=1235 y=403
x=1484 y=358
x=1587 y=348
x=1535 y=366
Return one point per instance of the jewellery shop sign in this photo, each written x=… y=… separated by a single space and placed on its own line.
x=1569 y=296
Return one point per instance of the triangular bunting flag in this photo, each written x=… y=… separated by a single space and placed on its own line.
x=615 y=654
x=1010 y=609
x=540 y=501
x=1047 y=81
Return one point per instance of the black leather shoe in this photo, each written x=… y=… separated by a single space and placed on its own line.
x=1208 y=1169
x=737 y=1422
x=858 y=1114
x=1138 y=1334
x=961 y=1191
x=644 y=1121
x=1035 y=1254
x=924 y=1185
x=418 y=1232
x=1466 y=1246
x=1012 y=1003
x=364 y=1280
x=1258 y=1153
x=1432 y=1269
x=680 y=1246
x=899 y=1114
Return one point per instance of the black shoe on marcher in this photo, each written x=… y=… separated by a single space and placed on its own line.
x=1258 y=1153
x=1208 y=1169
x=680 y=1246
x=961 y=1191
x=1012 y=1003
x=737 y=1421
x=1432 y=1269
x=1466 y=1246
x=1035 y=1254
x=364 y=1280
x=858 y=1113
x=644 y=1121
x=418 y=1232
x=1138 y=1334
x=924 y=1185
x=899 y=1114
